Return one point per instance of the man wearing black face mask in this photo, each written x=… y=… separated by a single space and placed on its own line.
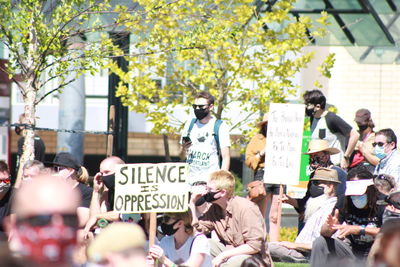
x=205 y=140
x=327 y=125
x=364 y=151
x=320 y=154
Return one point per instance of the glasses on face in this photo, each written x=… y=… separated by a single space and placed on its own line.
x=199 y=106
x=46 y=219
x=5 y=181
x=374 y=144
x=316 y=182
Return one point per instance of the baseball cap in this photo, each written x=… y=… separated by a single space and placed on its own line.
x=358 y=187
x=116 y=237
x=362 y=116
x=319 y=145
x=325 y=174
x=66 y=159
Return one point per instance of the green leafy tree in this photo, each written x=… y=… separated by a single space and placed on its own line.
x=47 y=40
x=220 y=46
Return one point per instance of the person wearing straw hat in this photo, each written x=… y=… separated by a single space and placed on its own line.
x=320 y=154
x=327 y=181
x=347 y=239
x=255 y=160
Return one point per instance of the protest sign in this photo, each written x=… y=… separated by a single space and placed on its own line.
x=284 y=143
x=144 y=188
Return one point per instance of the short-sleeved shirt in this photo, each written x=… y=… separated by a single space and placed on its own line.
x=333 y=129
x=193 y=245
x=241 y=223
x=361 y=244
x=390 y=165
x=203 y=153
x=86 y=195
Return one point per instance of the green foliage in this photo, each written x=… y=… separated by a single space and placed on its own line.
x=241 y=55
x=46 y=40
x=288 y=234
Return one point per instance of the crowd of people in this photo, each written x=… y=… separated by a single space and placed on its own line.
x=349 y=216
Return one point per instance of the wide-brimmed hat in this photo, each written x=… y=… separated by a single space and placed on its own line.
x=116 y=237
x=319 y=145
x=326 y=174
x=66 y=159
x=358 y=187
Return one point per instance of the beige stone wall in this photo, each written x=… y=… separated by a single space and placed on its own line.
x=354 y=86
x=139 y=144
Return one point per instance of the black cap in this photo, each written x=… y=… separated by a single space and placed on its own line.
x=66 y=159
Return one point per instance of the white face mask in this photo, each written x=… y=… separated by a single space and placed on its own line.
x=359 y=201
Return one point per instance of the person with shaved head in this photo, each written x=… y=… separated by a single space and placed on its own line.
x=45 y=229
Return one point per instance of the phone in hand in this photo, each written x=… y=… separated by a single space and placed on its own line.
x=186 y=139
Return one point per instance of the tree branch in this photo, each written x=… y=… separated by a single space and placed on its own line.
x=53 y=90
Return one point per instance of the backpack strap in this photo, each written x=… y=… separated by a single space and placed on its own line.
x=191 y=126
x=217 y=125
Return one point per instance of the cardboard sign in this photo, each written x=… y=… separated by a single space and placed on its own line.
x=143 y=188
x=284 y=143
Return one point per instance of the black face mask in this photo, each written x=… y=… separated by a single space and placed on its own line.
x=393 y=203
x=168 y=229
x=109 y=181
x=310 y=112
x=361 y=128
x=201 y=113
x=316 y=191
x=388 y=215
x=18 y=130
x=209 y=197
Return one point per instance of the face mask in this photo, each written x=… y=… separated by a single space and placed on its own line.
x=18 y=130
x=4 y=187
x=168 y=229
x=201 y=113
x=393 y=203
x=316 y=190
x=362 y=128
x=380 y=152
x=209 y=197
x=310 y=112
x=109 y=181
x=47 y=244
x=359 y=201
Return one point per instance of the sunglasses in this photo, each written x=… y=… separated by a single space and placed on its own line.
x=5 y=181
x=46 y=219
x=167 y=219
x=199 y=106
x=316 y=182
x=378 y=144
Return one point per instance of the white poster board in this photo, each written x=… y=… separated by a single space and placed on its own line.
x=283 y=146
x=144 y=188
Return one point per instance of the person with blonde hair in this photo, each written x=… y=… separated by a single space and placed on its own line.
x=237 y=222
x=180 y=245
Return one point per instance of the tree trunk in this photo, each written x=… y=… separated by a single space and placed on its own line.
x=166 y=148
x=28 y=133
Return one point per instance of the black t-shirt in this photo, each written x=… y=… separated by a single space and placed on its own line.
x=361 y=244
x=86 y=194
x=336 y=124
x=5 y=208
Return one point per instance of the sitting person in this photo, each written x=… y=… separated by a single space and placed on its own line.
x=349 y=237
x=180 y=245
x=237 y=222
x=325 y=180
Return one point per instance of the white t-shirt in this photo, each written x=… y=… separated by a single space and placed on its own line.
x=203 y=154
x=181 y=255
